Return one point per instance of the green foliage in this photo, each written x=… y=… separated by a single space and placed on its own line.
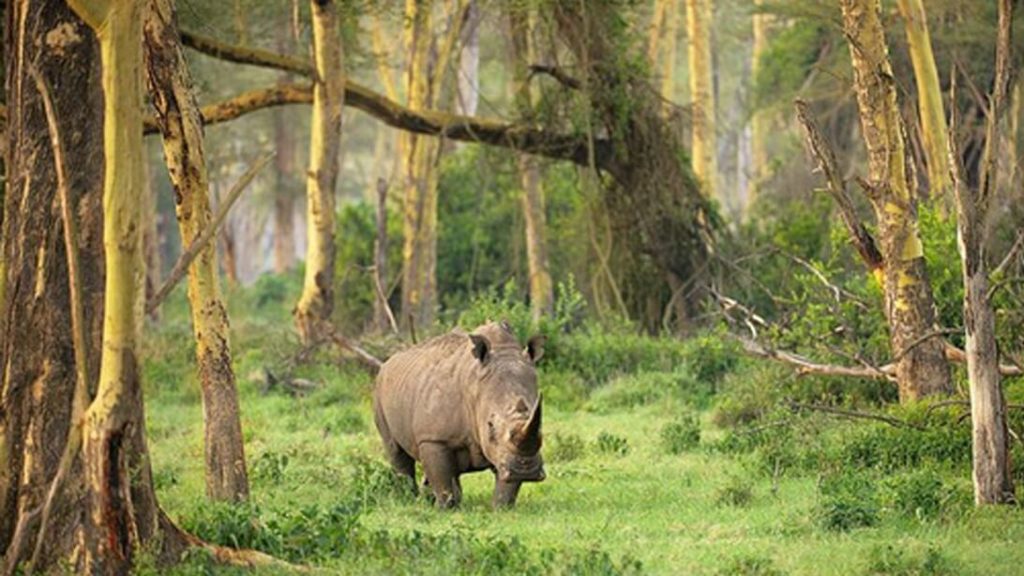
x=738 y=491
x=890 y=560
x=608 y=443
x=847 y=501
x=564 y=447
x=354 y=261
x=915 y=494
x=269 y=467
x=682 y=434
x=786 y=63
x=644 y=388
x=370 y=481
x=750 y=565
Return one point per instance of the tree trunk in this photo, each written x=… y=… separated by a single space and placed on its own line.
x=317 y=300
x=703 y=147
x=151 y=237
x=468 y=81
x=759 y=123
x=921 y=369
x=285 y=190
x=668 y=64
x=934 y=131
x=522 y=54
x=993 y=482
x=181 y=126
x=38 y=380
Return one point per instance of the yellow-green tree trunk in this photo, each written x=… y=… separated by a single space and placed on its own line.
x=910 y=309
x=703 y=146
x=522 y=54
x=317 y=300
x=760 y=121
x=184 y=149
x=934 y=130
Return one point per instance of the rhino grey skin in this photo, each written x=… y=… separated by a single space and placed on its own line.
x=463 y=403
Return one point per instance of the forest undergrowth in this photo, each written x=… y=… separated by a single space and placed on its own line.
x=663 y=456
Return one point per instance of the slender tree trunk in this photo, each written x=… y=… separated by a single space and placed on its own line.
x=151 y=236
x=993 y=482
x=285 y=190
x=182 y=130
x=668 y=64
x=38 y=380
x=922 y=369
x=317 y=301
x=704 y=144
x=468 y=81
x=934 y=130
x=522 y=54
x=760 y=122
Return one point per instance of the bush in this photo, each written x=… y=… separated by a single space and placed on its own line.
x=891 y=561
x=608 y=443
x=564 y=447
x=915 y=494
x=270 y=467
x=561 y=389
x=737 y=491
x=681 y=435
x=750 y=566
x=847 y=501
x=371 y=482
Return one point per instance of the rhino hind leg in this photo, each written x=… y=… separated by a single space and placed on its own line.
x=401 y=462
x=505 y=493
x=441 y=474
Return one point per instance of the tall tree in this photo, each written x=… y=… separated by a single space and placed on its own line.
x=317 y=300
x=703 y=146
x=522 y=53
x=910 y=309
x=759 y=122
x=993 y=483
x=284 y=171
x=184 y=149
x=934 y=130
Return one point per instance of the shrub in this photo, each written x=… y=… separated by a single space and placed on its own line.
x=889 y=560
x=915 y=494
x=737 y=491
x=749 y=566
x=608 y=443
x=371 y=482
x=682 y=434
x=561 y=389
x=270 y=467
x=564 y=447
x=847 y=501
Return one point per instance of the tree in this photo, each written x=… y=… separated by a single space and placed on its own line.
x=759 y=123
x=993 y=483
x=184 y=149
x=317 y=300
x=929 y=97
x=522 y=52
x=703 y=145
x=665 y=22
x=909 y=306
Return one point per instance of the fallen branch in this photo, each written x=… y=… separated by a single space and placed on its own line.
x=371 y=362
x=806 y=366
x=854 y=414
x=572 y=147
x=954 y=354
x=557 y=73
x=207 y=235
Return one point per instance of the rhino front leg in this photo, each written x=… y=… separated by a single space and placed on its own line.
x=505 y=493
x=441 y=474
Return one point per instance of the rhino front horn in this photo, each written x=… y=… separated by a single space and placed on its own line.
x=529 y=435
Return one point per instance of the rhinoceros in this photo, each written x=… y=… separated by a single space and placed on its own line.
x=463 y=403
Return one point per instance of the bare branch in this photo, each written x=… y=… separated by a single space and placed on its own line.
x=246 y=102
x=855 y=414
x=208 y=234
x=528 y=139
x=826 y=158
x=371 y=362
x=557 y=73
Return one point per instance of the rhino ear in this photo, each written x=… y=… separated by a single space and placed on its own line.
x=481 y=347
x=535 y=348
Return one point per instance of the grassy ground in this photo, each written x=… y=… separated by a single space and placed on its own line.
x=615 y=500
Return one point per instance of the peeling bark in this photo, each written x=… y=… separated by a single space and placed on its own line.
x=182 y=131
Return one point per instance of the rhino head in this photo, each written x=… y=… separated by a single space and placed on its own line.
x=508 y=411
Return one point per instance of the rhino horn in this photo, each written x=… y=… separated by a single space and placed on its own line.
x=528 y=436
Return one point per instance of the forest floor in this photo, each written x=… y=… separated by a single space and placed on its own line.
x=616 y=500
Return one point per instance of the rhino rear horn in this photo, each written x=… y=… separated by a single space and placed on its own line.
x=528 y=438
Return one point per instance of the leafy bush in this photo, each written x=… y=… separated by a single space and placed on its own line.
x=888 y=449
x=644 y=388
x=564 y=447
x=847 y=501
x=269 y=467
x=608 y=443
x=915 y=494
x=889 y=560
x=749 y=566
x=681 y=435
x=737 y=491
x=371 y=482
x=561 y=389
x=357 y=224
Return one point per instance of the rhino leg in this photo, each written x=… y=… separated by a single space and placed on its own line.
x=401 y=462
x=505 y=493
x=441 y=474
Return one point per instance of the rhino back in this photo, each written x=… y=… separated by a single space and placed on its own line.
x=421 y=393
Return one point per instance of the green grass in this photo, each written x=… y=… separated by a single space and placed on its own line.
x=702 y=511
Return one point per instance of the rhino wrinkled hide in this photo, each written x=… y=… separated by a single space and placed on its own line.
x=463 y=403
